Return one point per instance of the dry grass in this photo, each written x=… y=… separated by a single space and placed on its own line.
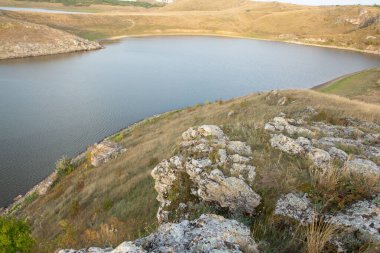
x=318 y=234
x=313 y=25
x=335 y=188
x=120 y=194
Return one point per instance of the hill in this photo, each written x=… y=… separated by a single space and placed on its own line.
x=114 y=202
x=364 y=86
x=23 y=39
x=348 y=27
x=199 y=5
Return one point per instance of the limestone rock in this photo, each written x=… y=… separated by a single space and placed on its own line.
x=207 y=234
x=203 y=131
x=290 y=126
x=339 y=154
x=320 y=158
x=362 y=166
x=363 y=216
x=198 y=168
x=286 y=144
x=244 y=171
x=104 y=151
x=238 y=147
x=128 y=247
x=296 y=206
x=337 y=131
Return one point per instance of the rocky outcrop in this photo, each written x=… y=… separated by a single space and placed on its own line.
x=364 y=19
x=362 y=165
x=209 y=168
x=296 y=206
x=362 y=216
x=102 y=152
x=23 y=39
x=286 y=144
x=209 y=233
x=322 y=143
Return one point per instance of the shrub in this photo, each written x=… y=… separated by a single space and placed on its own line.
x=64 y=167
x=15 y=236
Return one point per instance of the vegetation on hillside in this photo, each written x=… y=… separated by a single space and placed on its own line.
x=352 y=27
x=364 y=86
x=115 y=202
x=15 y=236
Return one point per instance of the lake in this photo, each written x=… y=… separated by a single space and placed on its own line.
x=40 y=10
x=58 y=105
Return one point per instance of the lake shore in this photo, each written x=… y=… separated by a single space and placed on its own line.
x=237 y=36
x=43 y=186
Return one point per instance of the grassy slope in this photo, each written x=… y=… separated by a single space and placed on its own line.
x=364 y=86
x=314 y=25
x=83 y=208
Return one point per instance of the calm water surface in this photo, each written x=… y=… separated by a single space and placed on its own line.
x=40 y=10
x=58 y=105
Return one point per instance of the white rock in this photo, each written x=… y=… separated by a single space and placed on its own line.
x=236 y=158
x=281 y=124
x=203 y=131
x=244 y=171
x=286 y=144
x=238 y=147
x=338 y=154
x=230 y=192
x=362 y=166
x=320 y=158
x=296 y=206
x=362 y=216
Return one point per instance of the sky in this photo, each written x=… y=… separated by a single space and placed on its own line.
x=327 y=2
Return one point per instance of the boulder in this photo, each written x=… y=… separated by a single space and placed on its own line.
x=104 y=151
x=204 y=131
x=338 y=154
x=296 y=206
x=209 y=233
x=213 y=170
x=362 y=166
x=230 y=192
x=363 y=217
x=321 y=159
x=238 y=147
x=286 y=144
x=290 y=126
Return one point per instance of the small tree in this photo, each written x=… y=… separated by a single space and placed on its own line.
x=15 y=236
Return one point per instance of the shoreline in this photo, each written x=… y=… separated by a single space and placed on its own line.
x=237 y=36
x=222 y=35
x=336 y=79
x=43 y=186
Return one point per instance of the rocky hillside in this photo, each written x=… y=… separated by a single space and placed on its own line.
x=214 y=175
x=264 y=163
x=23 y=39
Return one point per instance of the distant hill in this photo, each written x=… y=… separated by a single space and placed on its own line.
x=201 y=5
x=22 y=39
